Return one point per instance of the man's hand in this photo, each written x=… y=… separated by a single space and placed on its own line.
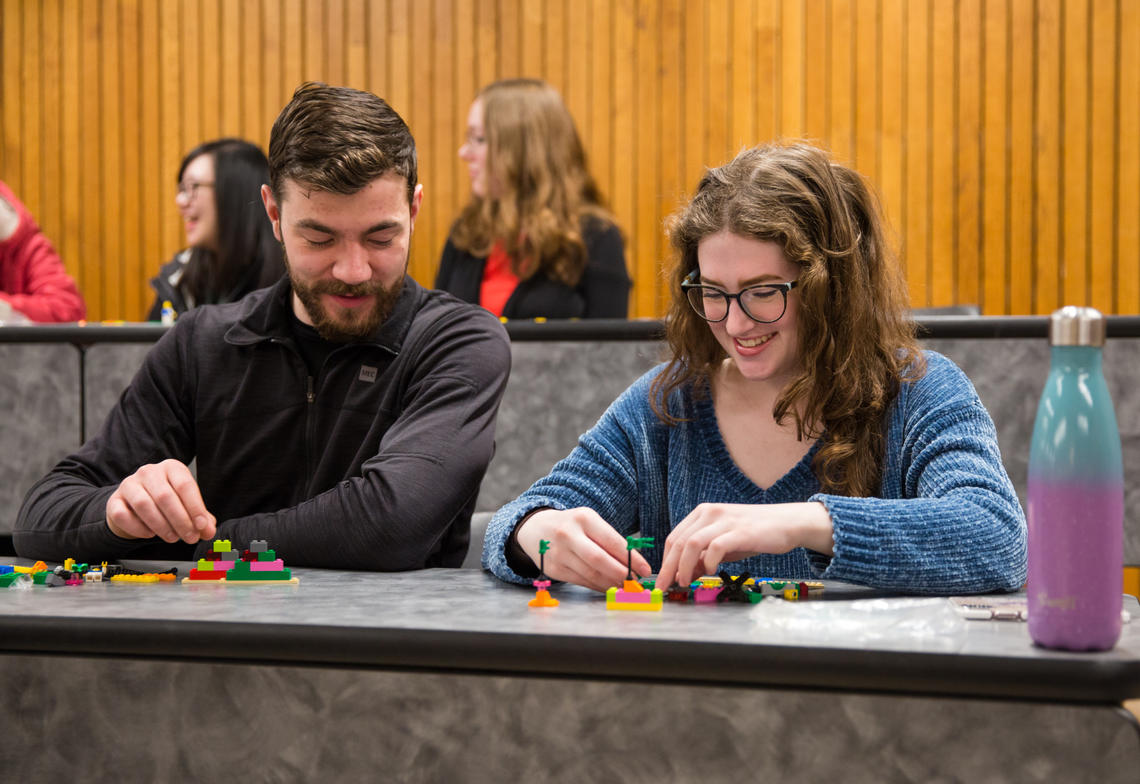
x=160 y=500
x=584 y=548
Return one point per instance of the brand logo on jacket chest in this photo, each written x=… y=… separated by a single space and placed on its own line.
x=367 y=373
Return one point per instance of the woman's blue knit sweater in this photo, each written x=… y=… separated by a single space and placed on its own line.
x=946 y=519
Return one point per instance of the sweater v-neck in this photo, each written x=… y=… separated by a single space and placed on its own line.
x=796 y=483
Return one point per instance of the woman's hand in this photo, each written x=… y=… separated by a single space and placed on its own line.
x=584 y=548
x=714 y=533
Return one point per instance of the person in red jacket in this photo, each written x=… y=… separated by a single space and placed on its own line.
x=33 y=281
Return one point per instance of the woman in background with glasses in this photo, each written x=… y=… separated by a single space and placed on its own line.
x=798 y=431
x=230 y=249
x=535 y=239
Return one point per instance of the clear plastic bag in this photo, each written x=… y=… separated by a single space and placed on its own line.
x=929 y=624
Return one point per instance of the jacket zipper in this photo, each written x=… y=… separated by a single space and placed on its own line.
x=310 y=397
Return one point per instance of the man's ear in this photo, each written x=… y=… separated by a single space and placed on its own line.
x=414 y=207
x=272 y=210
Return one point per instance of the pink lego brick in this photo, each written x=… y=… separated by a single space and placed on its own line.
x=705 y=595
x=266 y=566
x=640 y=597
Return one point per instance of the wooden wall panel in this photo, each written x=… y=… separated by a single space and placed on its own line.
x=1003 y=136
x=1128 y=135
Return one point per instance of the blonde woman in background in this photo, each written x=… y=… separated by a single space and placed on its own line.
x=535 y=240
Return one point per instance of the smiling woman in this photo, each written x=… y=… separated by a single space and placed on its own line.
x=230 y=248
x=797 y=432
x=535 y=240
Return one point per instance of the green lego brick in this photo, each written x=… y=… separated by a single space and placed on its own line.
x=237 y=576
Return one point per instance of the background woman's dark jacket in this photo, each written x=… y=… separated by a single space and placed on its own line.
x=603 y=291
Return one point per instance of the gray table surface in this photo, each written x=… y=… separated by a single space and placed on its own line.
x=466 y=620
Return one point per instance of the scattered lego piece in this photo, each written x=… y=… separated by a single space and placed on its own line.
x=16 y=580
x=732 y=588
x=542 y=597
x=634 y=543
x=204 y=575
x=110 y=572
x=244 y=573
x=135 y=578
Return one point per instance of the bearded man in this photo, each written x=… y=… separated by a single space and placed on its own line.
x=345 y=414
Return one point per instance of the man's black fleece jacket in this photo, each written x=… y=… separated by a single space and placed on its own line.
x=373 y=464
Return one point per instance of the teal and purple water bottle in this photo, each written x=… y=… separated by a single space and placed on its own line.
x=1076 y=495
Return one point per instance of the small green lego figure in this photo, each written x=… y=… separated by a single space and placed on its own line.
x=542 y=597
x=543 y=546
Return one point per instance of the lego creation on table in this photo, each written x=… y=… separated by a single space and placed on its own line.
x=633 y=595
x=542 y=597
x=258 y=565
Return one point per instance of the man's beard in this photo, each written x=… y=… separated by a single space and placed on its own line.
x=353 y=325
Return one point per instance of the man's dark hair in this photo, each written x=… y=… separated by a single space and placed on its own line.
x=338 y=139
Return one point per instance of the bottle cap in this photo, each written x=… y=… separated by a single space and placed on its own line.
x=1073 y=326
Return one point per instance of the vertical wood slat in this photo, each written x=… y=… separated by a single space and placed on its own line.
x=418 y=115
x=967 y=214
x=892 y=111
x=1128 y=133
x=133 y=267
x=151 y=194
x=672 y=180
x=1103 y=164
x=916 y=86
x=466 y=85
x=439 y=160
x=694 y=81
x=1002 y=135
x=1019 y=241
x=767 y=78
x=110 y=157
x=29 y=128
x=1074 y=197
x=943 y=154
x=793 y=55
x=92 y=220
x=842 y=94
x=51 y=209
x=624 y=143
x=1048 y=228
x=816 y=56
x=742 y=75
x=647 y=124
x=66 y=235
x=995 y=119
x=718 y=100
x=867 y=84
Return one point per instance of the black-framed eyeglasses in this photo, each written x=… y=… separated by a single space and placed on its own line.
x=189 y=190
x=763 y=303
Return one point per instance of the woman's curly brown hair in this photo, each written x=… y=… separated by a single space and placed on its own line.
x=542 y=185
x=857 y=338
